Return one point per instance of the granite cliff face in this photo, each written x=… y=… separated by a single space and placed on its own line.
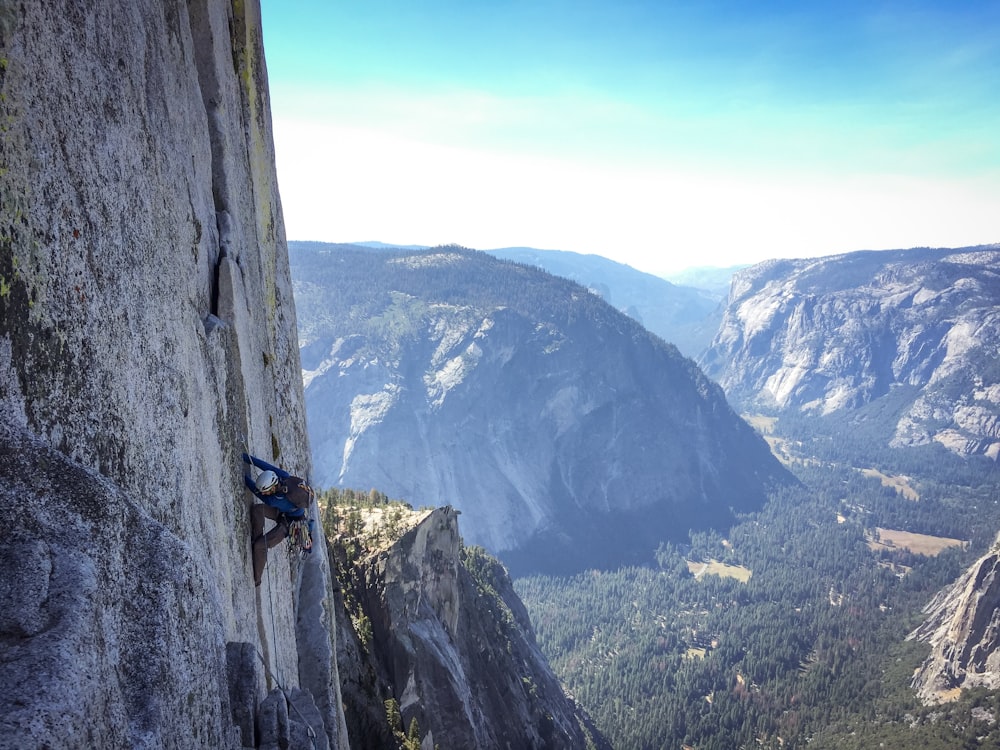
x=146 y=326
x=919 y=329
x=963 y=630
x=566 y=433
x=448 y=645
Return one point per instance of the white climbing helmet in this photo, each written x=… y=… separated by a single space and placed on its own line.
x=266 y=480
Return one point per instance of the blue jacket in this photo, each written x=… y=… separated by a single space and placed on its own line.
x=293 y=495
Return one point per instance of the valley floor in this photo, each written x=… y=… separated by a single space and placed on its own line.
x=789 y=628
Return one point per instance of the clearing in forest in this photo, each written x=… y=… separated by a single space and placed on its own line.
x=780 y=447
x=377 y=526
x=763 y=425
x=899 y=483
x=918 y=544
x=714 y=567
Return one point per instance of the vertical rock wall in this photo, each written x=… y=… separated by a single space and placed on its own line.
x=146 y=326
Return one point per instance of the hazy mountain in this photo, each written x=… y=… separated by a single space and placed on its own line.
x=684 y=316
x=560 y=427
x=375 y=245
x=711 y=280
x=916 y=330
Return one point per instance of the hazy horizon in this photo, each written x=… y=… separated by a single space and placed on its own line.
x=663 y=136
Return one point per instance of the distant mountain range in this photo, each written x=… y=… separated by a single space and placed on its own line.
x=912 y=331
x=915 y=331
x=684 y=316
x=566 y=434
x=498 y=397
x=709 y=280
x=681 y=313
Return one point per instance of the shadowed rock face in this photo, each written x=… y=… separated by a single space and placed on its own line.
x=566 y=434
x=828 y=335
x=963 y=629
x=455 y=650
x=103 y=606
x=146 y=324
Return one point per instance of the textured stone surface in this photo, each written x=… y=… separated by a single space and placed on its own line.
x=918 y=327
x=112 y=626
x=963 y=630
x=290 y=719
x=241 y=669
x=146 y=325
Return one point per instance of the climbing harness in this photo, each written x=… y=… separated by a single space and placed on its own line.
x=300 y=530
x=300 y=534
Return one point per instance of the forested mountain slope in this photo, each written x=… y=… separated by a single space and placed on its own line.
x=789 y=629
x=915 y=331
x=565 y=433
x=681 y=315
x=685 y=315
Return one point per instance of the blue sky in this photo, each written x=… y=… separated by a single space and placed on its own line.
x=661 y=134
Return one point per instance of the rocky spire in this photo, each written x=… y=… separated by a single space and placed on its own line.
x=963 y=630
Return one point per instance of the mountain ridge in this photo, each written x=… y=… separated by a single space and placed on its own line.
x=682 y=315
x=828 y=335
x=532 y=374
x=433 y=612
x=685 y=315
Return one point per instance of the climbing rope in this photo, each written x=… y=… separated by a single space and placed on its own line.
x=270 y=604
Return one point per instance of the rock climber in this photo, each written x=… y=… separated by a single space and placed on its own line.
x=285 y=501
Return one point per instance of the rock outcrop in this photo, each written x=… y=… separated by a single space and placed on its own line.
x=447 y=646
x=146 y=326
x=963 y=630
x=567 y=434
x=918 y=329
